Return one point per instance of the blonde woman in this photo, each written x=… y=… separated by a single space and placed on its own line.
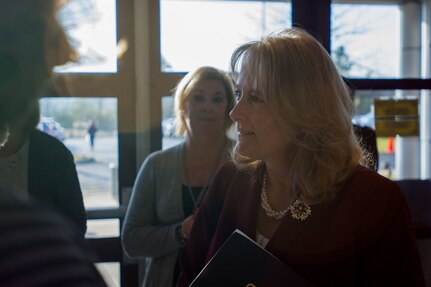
x=297 y=185
x=171 y=183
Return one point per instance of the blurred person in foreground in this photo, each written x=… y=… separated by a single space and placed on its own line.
x=297 y=185
x=38 y=247
x=171 y=183
x=35 y=163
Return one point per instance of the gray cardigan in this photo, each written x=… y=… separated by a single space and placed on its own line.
x=154 y=211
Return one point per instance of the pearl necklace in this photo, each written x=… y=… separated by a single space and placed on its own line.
x=299 y=210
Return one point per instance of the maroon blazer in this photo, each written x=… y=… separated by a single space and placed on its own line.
x=364 y=237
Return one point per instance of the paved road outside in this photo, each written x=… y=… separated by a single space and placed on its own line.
x=97 y=169
x=97 y=176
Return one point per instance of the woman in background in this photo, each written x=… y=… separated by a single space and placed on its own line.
x=172 y=182
x=297 y=186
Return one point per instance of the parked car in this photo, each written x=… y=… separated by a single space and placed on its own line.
x=51 y=127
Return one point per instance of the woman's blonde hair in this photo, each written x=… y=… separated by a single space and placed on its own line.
x=311 y=104
x=188 y=84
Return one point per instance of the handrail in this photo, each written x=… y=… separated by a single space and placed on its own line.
x=106 y=213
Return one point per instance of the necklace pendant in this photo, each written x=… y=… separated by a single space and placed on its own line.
x=300 y=210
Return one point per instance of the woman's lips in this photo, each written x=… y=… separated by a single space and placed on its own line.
x=245 y=132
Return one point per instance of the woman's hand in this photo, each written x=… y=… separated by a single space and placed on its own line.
x=187 y=224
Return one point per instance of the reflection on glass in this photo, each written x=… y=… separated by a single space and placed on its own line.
x=197 y=33
x=365 y=40
x=92 y=28
x=69 y=119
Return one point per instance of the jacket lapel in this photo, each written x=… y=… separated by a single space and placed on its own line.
x=248 y=204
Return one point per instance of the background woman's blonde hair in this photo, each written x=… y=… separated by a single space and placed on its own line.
x=188 y=84
x=309 y=101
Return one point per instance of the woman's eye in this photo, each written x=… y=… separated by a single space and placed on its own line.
x=218 y=100
x=256 y=99
x=198 y=98
x=238 y=94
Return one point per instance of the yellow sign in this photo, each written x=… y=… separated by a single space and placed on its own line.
x=396 y=117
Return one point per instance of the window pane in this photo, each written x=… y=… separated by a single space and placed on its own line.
x=99 y=228
x=365 y=40
x=92 y=28
x=386 y=146
x=69 y=119
x=168 y=123
x=197 y=33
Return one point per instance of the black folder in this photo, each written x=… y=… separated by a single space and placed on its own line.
x=241 y=262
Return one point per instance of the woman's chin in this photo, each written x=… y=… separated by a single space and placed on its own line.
x=244 y=152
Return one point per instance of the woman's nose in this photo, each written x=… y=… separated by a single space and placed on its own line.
x=236 y=113
x=205 y=105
